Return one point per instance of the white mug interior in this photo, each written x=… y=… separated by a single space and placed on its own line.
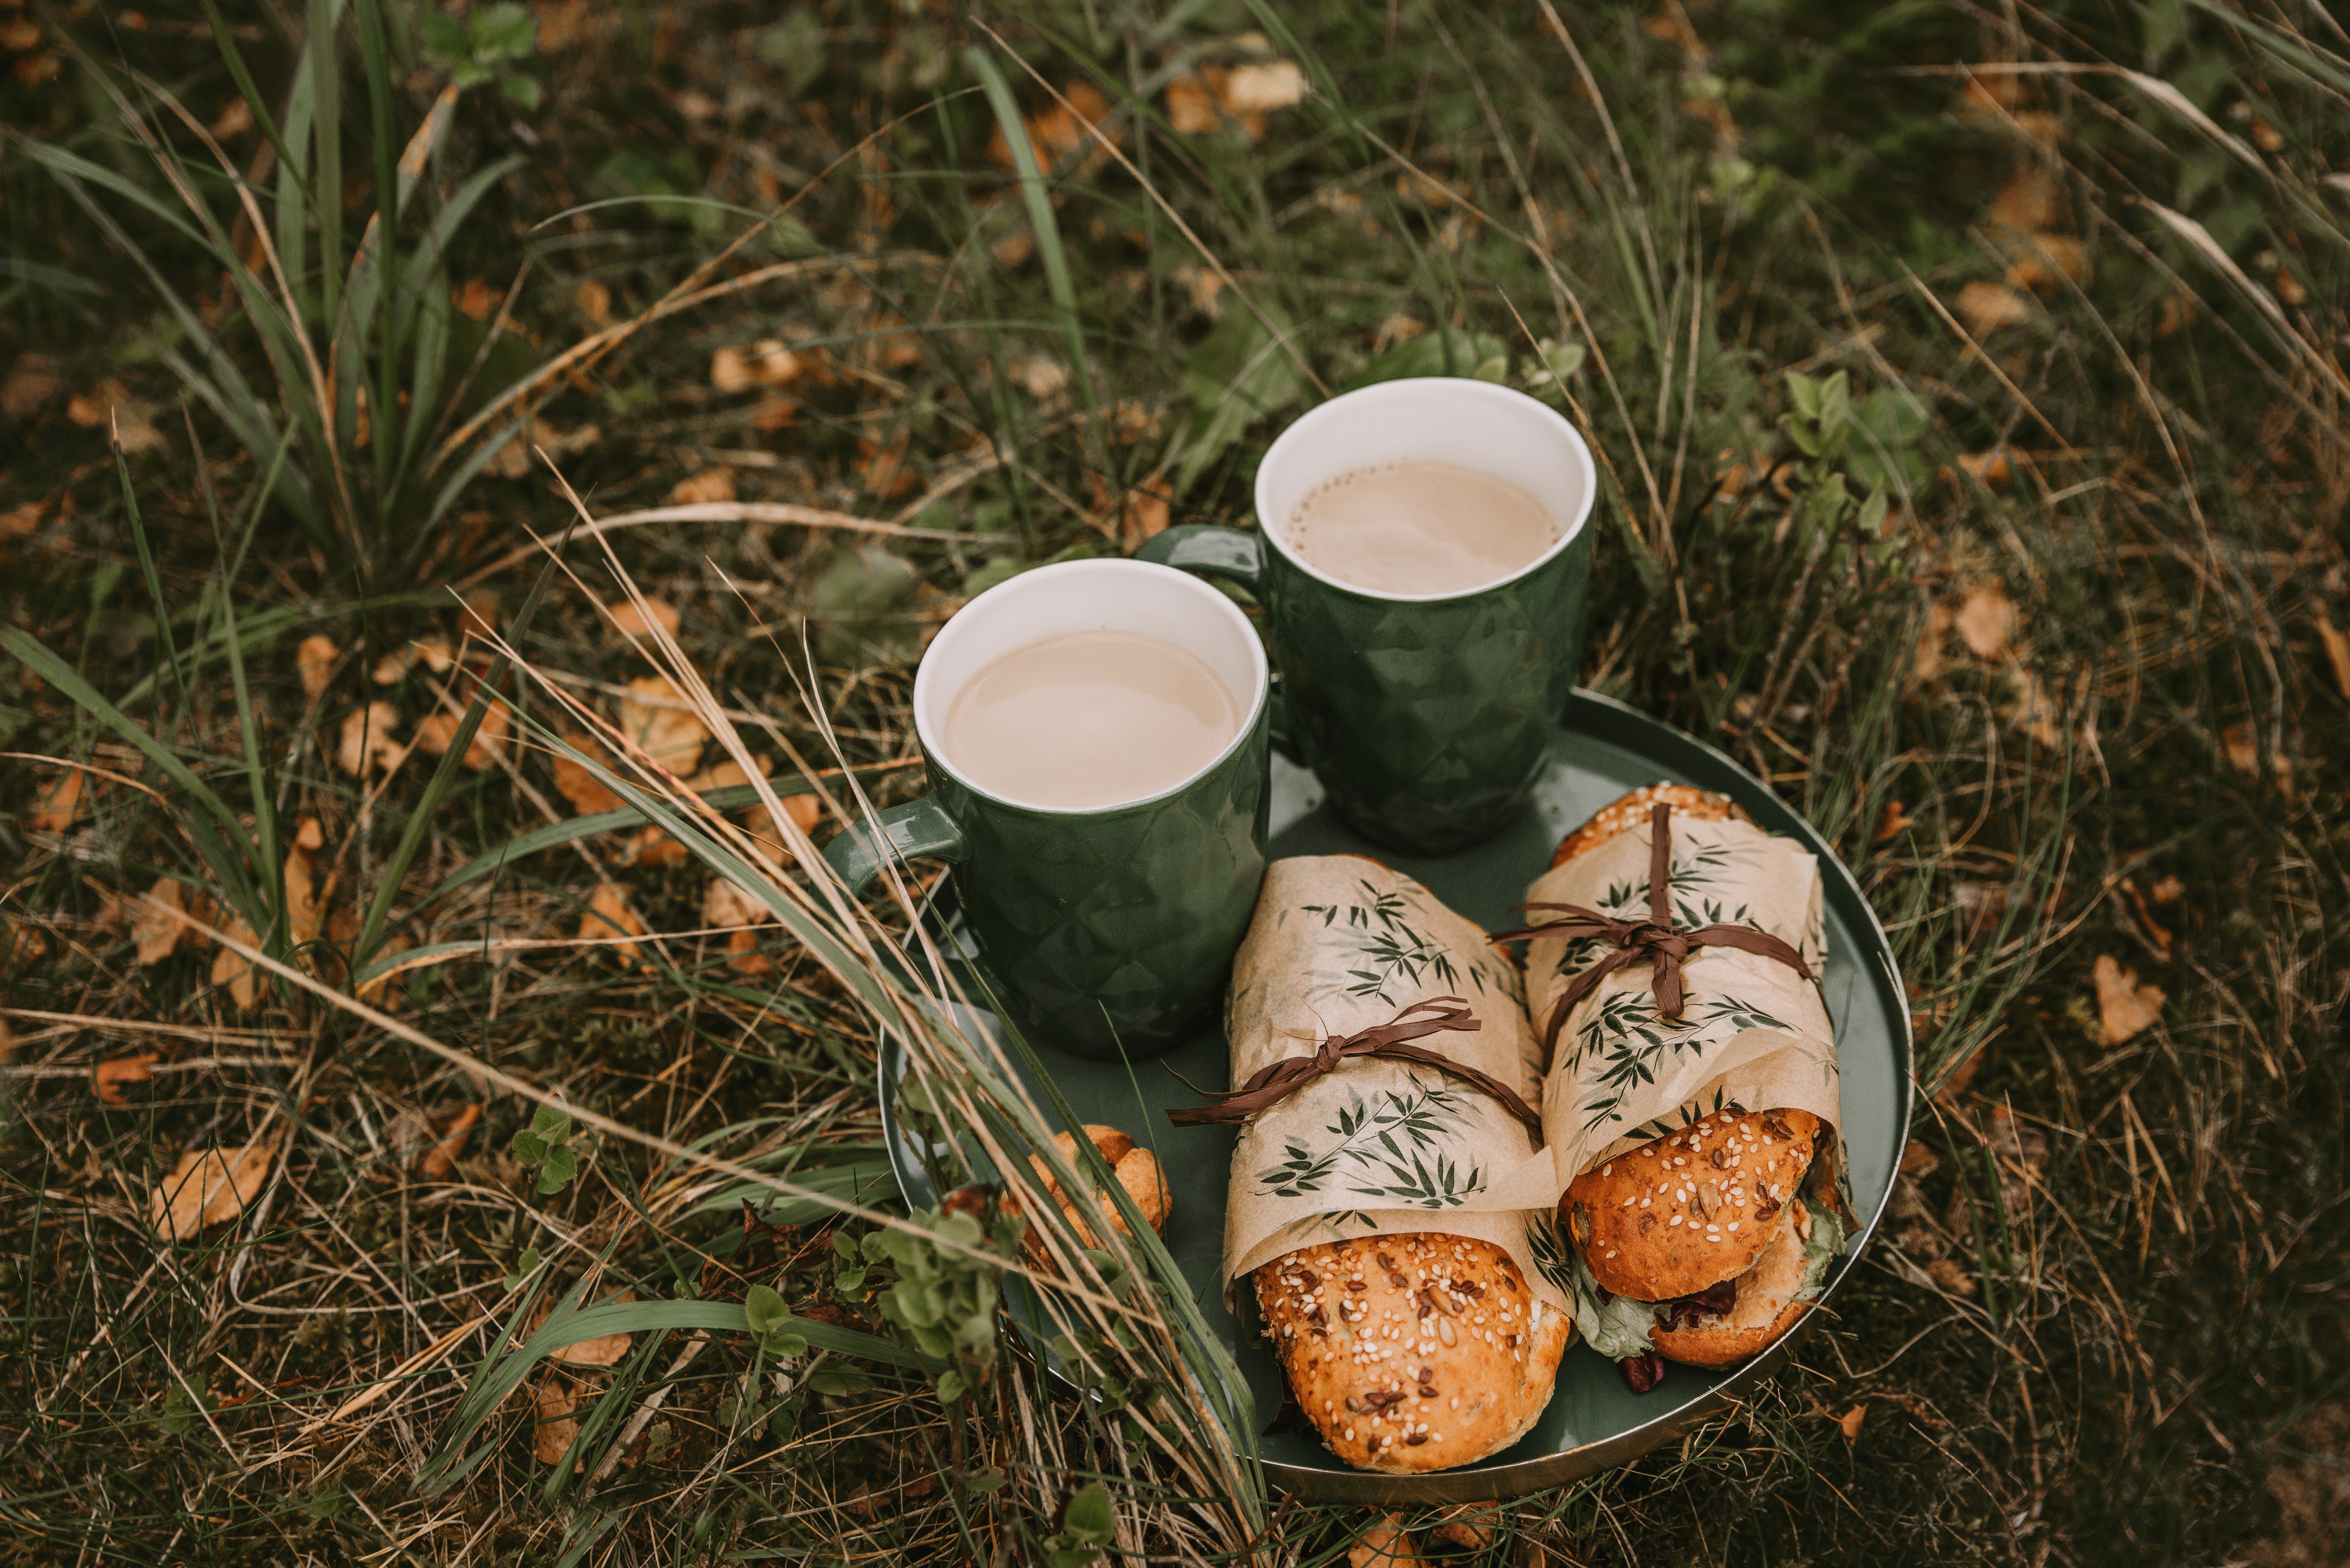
x=1430 y=418
x=1080 y=597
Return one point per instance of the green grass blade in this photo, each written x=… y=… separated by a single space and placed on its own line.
x=326 y=144
x=233 y=58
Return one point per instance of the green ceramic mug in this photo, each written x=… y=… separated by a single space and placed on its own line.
x=1426 y=718
x=1107 y=929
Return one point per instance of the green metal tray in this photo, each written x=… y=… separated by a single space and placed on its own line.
x=1594 y=1422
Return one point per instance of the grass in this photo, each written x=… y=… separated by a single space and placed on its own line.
x=2036 y=630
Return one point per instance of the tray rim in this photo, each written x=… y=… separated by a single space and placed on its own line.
x=1613 y=721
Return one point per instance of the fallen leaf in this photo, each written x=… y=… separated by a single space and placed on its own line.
x=593 y=298
x=1013 y=249
x=232 y=969
x=1059 y=128
x=316 y=659
x=21 y=520
x=1916 y=1159
x=1894 y=823
x=439 y=1163
x=1927 y=666
x=652 y=846
x=1386 y=1542
x=1039 y=375
x=59 y=805
x=725 y=773
x=434 y=732
x=608 y=916
x=2031 y=202
x=108 y=1078
x=435 y=652
x=653 y=716
x=605 y=1349
x=2126 y=1008
x=1191 y=107
x=555 y=1431
x=1465 y=1527
x=476 y=300
x=1985 y=308
x=1988 y=468
x=206 y=1188
x=2041 y=261
x=1987 y=621
x=370 y=738
x=2035 y=710
x=1850 y=1422
x=20 y=944
x=161 y=921
x=2337 y=652
x=2291 y=289
x=309 y=835
x=710 y=486
x=479 y=619
x=724 y=904
x=2169 y=890
x=2241 y=741
x=1952 y=1277
x=301 y=897
x=632 y=620
x=1257 y=89
x=575 y=783
x=32 y=383
x=1138 y=514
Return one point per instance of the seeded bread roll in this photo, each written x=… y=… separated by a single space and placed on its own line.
x=1632 y=811
x=1766 y=1306
x=1412 y=1352
x=1691 y=1209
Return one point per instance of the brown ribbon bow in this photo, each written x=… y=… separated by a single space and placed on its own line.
x=1652 y=941
x=1272 y=1083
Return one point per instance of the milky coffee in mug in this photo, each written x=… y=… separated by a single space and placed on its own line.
x=1089 y=719
x=1419 y=527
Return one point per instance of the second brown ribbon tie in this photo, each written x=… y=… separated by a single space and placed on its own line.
x=1653 y=941
x=1386 y=1041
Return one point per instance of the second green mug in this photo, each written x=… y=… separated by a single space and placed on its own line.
x=1107 y=930
x=1426 y=717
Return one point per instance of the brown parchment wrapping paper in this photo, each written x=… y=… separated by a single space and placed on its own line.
x=1751 y=1032
x=1339 y=944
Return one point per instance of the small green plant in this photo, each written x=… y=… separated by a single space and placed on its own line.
x=545 y=1144
x=185 y=1404
x=482 y=46
x=1087 y=1525
x=525 y=1266
x=943 y=1297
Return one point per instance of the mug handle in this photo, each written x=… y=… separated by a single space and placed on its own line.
x=1205 y=550
x=917 y=827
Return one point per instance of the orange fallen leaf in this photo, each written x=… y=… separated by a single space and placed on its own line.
x=575 y=783
x=605 y=1349
x=1990 y=468
x=2240 y=742
x=1916 y=1159
x=1385 y=1544
x=157 y=929
x=301 y=897
x=476 y=300
x=308 y=834
x=555 y=1431
x=1058 y=129
x=435 y=731
x=1928 y=665
x=652 y=846
x=2169 y=890
x=33 y=384
x=479 y=617
x=593 y=298
x=315 y=660
x=711 y=485
x=1191 y=107
x=653 y=715
x=608 y=915
x=1985 y=308
x=1850 y=1422
x=369 y=740
x=725 y=773
x=439 y=1163
x=2031 y=202
x=2337 y=652
x=1987 y=621
x=1893 y=822
x=632 y=620
x=2039 y=261
x=232 y=969
x=1952 y=1277
x=1255 y=90
x=108 y=1078
x=208 y=1186
x=59 y=805
x=2125 y=1008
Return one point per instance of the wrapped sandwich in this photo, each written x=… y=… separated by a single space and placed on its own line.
x=1384 y=1067
x=1690 y=1102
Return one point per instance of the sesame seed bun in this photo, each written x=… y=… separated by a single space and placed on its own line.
x=1691 y=1209
x=1413 y=1352
x=1631 y=811
x=1766 y=1306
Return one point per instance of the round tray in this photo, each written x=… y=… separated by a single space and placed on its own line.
x=1594 y=1422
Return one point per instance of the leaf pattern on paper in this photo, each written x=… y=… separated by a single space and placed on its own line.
x=1414 y=1183
x=1386 y=1132
x=1627 y=1040
x=1393 y=960
x=1549 y=1249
